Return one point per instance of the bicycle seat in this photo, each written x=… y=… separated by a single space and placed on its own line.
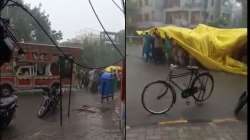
x=7 y=101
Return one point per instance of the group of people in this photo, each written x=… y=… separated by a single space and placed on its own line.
x=91 y=79
x=152 y=50
x=159 y=50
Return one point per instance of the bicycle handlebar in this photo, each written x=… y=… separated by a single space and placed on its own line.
x=173 y=67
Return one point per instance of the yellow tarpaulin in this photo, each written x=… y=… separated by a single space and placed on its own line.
x=212 y=47
x=116 y=68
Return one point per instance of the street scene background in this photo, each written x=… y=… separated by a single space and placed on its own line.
x=184 y=120
x=88 y=59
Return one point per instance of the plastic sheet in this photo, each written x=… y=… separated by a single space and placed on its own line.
x=212 y=47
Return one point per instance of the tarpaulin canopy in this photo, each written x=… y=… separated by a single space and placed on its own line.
x=212 y=47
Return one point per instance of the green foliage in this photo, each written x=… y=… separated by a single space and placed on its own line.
x=220 y=22
x=243 y=23
x=25 y=27
x=94 y=53
x=121 y=36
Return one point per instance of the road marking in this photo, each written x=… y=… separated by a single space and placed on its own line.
x=191 y=121
x=224 y=120
x=172 y=122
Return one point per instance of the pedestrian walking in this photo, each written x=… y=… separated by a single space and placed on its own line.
x=91 y=76
x=80 y=76
x=85 y=79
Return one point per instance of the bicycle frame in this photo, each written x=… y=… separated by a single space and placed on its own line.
x=172 y=76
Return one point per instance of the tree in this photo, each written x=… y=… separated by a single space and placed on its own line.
x=25 y=27
x=220 y=22
x=121 y=38
x=93 y=53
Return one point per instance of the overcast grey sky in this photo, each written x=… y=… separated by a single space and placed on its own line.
x=73 y=17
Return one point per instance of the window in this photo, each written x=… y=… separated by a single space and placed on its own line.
x=146 y=17
x=24 y=72
x=146 y=2
x=41 y=69
x=212 y=17
x=212 y=3
x=178 y=3
x=140 y=3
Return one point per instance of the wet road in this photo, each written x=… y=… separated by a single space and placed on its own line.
x=227 y=89
x=81 y=125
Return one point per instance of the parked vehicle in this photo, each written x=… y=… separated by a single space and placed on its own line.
x=7 y=110
x=8 y=47
x=158 y=97
x=49 y=102
x=37 y=68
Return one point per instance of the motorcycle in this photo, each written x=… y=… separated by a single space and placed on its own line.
x=8 y=103
x=49 y=102
x=8 y=106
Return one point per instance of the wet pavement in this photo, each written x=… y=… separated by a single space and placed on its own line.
x=197 y=131
x=227 y=89
x=101 y=125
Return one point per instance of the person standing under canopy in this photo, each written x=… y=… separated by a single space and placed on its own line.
x=157 y=48
x=146 y=46
x=167 y=49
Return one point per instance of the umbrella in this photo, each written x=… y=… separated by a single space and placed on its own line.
x=108 y=69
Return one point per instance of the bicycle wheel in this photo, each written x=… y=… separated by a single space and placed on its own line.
x=158 y=97
x=242 y=101
x=204 y=83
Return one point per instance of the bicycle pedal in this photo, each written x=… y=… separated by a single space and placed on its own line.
x=187 y=102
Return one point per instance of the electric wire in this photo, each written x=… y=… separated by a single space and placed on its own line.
x=123 y=4
x=55 y=44
x=118 y=6
x=105 y=31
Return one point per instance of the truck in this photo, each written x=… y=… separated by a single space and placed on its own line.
x=37 y=68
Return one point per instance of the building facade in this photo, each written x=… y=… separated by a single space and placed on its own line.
x=185 y=13
x=192 y=12
x=150 y=13
x=244 y=10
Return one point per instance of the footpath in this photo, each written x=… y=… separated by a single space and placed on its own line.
x=220 y=130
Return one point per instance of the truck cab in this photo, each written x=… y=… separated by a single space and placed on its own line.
x=27 y=79
x=37 y=68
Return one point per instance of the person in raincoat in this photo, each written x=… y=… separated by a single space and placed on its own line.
x=167 y=49
x=157 y=48
x=146 y=46
x=91 y=75
x=174 y=51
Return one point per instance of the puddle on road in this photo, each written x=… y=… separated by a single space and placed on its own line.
x=104 y=109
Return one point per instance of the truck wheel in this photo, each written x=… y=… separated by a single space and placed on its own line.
x=6 y=90
x=56 y=87
x=7 y=119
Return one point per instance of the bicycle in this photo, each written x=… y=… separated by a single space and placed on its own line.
x=196 y=85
